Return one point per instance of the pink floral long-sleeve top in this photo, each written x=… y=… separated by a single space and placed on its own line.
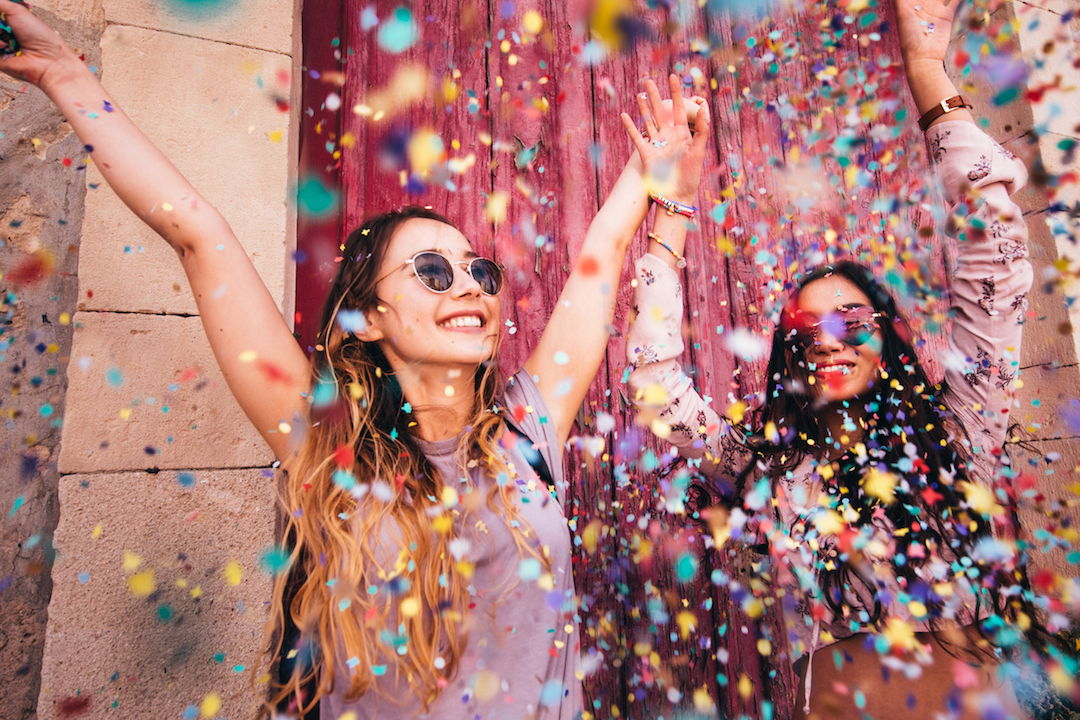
x=989 y=287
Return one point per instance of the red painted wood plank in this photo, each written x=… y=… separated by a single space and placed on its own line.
x=544 y=129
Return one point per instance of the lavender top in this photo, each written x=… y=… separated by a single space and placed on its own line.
x=522 y=658
x=988 y=285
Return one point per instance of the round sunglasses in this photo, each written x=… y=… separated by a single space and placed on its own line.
x=852 y=326
x=436 y=272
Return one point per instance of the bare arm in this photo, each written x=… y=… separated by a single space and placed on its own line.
x=572 y=346
x=262 y=363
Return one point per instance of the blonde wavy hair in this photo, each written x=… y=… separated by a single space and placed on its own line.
x=358 y=467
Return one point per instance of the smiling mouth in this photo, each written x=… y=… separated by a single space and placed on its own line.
x=833 y=369
x=463 y=321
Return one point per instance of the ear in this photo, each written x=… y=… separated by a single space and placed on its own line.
x=361 y=324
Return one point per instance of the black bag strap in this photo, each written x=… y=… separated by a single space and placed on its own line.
x=537 y=461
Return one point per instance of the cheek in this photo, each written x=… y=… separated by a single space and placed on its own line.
x=870 y=351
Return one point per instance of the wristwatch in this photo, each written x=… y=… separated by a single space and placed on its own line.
x=956 y=102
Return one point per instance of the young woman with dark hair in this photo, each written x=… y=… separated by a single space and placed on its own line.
x=432 y=572
x=872 y=485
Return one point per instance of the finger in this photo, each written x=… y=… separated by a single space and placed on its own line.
x=702 y=121
x=632 y=131
x=646 y=115
x=656 y=101
x=678 y=106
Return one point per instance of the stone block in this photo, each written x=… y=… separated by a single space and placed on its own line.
x=262 y=24
x=1049 y=327
x=214 y=113
x=144 y=391
x=1047 y=401
x=1051 y=47
x=159 y=601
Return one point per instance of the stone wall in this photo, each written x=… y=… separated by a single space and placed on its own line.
x=166 y=508
x=41 y=208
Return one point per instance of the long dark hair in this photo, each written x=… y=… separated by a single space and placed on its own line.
x=907 y=432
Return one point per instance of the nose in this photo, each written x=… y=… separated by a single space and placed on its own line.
x=465 y=284
x=825 y=343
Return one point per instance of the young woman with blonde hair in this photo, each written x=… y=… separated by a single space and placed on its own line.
x=432 y=564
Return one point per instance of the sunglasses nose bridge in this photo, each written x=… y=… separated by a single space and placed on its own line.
x=464 y=282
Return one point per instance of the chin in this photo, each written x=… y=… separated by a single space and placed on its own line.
x=848 y=390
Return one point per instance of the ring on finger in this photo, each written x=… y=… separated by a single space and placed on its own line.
x=659 y=143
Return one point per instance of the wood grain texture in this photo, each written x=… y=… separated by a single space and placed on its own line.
x=805 y=166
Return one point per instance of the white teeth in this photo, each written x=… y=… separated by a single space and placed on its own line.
x=463 y=321
x=826 y=369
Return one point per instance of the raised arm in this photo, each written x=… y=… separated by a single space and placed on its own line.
x=992 y=276
x=262 y=363
x=572 y=345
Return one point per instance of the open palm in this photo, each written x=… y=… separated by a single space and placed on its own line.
x=672 y=155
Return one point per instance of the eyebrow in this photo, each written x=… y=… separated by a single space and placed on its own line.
x=469 y=254
x=852 y=306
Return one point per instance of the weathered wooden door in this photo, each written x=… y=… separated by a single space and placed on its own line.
x=503 y=115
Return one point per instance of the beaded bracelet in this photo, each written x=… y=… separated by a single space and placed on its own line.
x=680 y=261
x=673 y=207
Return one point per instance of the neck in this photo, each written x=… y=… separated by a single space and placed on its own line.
x=441 y=398
x=845 y=425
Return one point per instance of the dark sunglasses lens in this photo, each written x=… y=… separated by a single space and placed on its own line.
x=434 y=271
x=487 y=275
x=858 y=333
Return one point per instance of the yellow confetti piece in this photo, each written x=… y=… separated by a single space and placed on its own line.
x=746 y=688
x=96 y=532
x=900 y=634
x=496 y=208
x=980 y=499
x=829 y=523
x=486 y=685
x=347 y=715
x=410 y=607
x=210 y=705
x=275 y=135
x=442 y=523
x=141 y=584
x=248 y=356
x=131 y=560
x=125 y=413
x=703 y=702
x=532 y=22
x=449 y=497
x=736 y=411
x=233 y=573
x=687 y=623
x=764 y=647
x=590 y=536
x=880 y=485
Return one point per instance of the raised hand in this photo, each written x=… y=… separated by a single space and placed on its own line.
x=924 y=27
x=42 y=52
x=672 y=155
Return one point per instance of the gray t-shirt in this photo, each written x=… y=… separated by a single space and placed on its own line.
x=522 y=657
